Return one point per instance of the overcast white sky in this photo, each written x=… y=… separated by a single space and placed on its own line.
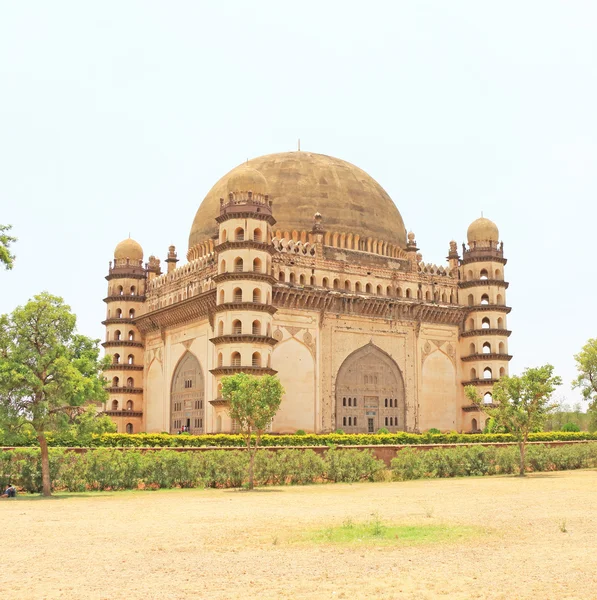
x=119 y=116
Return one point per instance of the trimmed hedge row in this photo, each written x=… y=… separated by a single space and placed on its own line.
x=111 y=469
x=331 y=439
x=489 y=460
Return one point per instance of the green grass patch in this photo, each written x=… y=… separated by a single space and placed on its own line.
x=376 y=532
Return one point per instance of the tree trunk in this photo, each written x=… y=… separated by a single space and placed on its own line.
x=251 y=468
x=522 y=448
x=46 y=488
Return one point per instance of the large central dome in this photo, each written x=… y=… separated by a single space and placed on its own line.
x=301 y=184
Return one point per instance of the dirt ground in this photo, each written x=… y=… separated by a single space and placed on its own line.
x=226 y=544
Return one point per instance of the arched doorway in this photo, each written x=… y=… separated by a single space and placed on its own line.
x=370 y=392
x=187 y=396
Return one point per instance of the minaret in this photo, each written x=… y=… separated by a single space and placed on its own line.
x=484 y=340
x=243 y=316
x=126 y=295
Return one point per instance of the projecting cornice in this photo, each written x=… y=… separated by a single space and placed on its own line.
x=189 y=310
x=370 y=305
x=483 y=282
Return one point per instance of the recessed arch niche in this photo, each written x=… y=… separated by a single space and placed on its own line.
x=187 y=396
x=370 y=392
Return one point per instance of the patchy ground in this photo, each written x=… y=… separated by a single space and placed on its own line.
x=537 y=540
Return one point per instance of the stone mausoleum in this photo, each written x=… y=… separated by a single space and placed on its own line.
x=299 y=265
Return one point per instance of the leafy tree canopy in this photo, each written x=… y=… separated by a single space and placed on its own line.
x=586 y=365
x=521 y=403
x=6 y=258
x=252 y=403
x=47 y=370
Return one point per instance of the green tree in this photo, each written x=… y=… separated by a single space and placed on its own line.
x=522 y=403
x=586 y=365
x=6 y=258
x=253 y=403
x=47 y=371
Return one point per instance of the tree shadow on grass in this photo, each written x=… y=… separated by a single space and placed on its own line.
x=255 y=491
x=37 y=497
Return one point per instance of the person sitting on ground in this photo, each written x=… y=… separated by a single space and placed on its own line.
x=10 y=492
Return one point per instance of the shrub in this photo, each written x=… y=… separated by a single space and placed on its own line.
x=433 y=430
x=300 y=432
x=382 y=430
x=482 y=460
x=339 y=438
x=570 y=427
x=351 y=465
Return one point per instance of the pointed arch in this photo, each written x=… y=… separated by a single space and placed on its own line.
x=187 y=394
x=370 y=375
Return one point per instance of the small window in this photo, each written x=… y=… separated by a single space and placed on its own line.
x=238 y=265
x=354 y=401
x=129 y=405
x=114 y=404
x=343 y=401
x=257 y=265
x=132 y=313
x=239 y=234
x=344 y=421
x=129 y=428
x=354 y=421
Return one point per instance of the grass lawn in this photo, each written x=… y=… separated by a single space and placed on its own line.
x=492 y=537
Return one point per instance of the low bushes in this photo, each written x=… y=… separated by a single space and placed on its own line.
x=165 y=440
x=489 y=460
x=112 y=469
x=106 y=468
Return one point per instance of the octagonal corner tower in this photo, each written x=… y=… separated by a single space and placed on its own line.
x=303 y=183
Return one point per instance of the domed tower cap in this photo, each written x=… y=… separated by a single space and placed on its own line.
x=247 y=179
x=482 y=230
x=130 y=249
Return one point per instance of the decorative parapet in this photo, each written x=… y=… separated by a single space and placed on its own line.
x=183 y=273
x=430 y=269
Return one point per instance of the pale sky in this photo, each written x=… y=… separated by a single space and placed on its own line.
x=118 y=117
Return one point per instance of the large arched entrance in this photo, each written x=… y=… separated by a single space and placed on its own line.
x=187 y=396
x=370 y=392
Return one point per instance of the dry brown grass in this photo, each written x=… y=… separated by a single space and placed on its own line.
x=225 y=544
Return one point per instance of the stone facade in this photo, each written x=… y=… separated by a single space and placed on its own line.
x=361 y=332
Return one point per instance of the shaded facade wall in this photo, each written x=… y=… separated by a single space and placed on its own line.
x=308 y=358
